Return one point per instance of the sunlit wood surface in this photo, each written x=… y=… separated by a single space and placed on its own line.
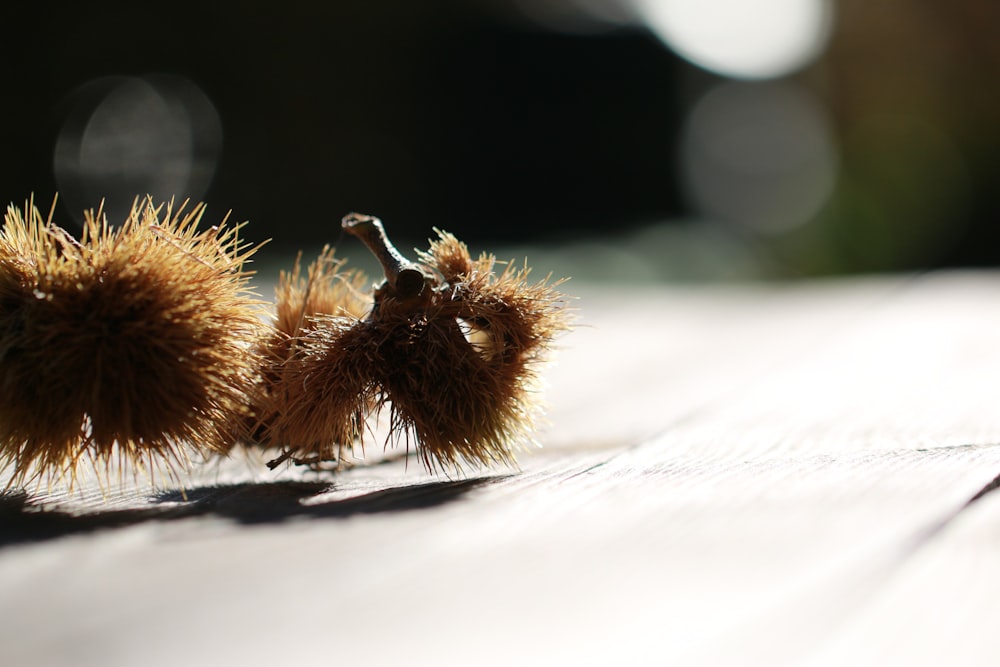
x=742 y=475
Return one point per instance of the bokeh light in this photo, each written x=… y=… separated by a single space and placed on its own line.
x=736 y=38
x=758 y=155
x=124 y=137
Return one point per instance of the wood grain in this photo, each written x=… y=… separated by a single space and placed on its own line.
x=766 y=474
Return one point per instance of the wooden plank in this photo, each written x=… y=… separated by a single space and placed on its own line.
x=737 y=475
x=939 y=607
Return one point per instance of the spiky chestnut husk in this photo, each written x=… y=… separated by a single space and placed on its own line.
x=451 y=347
x=133 y=344
x=326 y=289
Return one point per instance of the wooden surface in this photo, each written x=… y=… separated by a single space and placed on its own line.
x=745 y=475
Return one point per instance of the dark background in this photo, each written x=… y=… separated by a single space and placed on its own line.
x=471 y=117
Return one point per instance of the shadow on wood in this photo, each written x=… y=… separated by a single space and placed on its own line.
x=25 y=520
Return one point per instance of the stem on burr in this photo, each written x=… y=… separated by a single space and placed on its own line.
x=403 y=275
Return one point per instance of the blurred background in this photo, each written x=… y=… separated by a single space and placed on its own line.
x=615 y=139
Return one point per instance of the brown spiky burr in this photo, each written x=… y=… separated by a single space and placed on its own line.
x=451 y=348
x=133 y=344
x=301 y=301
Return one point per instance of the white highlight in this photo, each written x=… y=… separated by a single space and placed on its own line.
x=748 y=39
